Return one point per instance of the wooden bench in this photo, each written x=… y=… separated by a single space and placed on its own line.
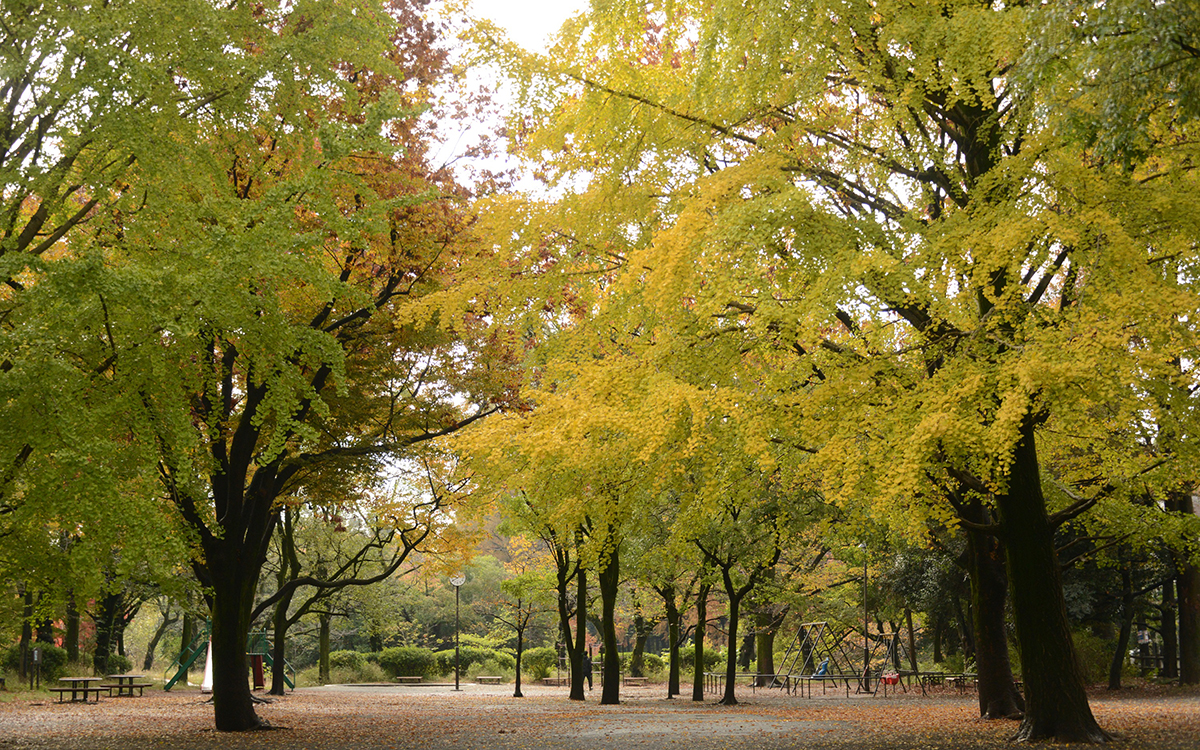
x=409 y=678
x=556 y=681
x=488 y=679
x=126 y=688
x=633 y=680
x=74 y=691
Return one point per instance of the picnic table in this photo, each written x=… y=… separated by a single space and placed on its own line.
x=125 y=684
x=484 y=679
x=77 y=686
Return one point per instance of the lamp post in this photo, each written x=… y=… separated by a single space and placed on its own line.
x=866 y=678
x=456 y=580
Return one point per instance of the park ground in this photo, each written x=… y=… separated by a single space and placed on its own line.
x=366 y=717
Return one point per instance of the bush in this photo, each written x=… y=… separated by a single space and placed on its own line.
x=54 y=660
x=714 y=659
x=117 y=664
x=537 y=663
x=470 y=654
x=654 y=663
x=1095 y=656
x=409 y=660
x=351 y=660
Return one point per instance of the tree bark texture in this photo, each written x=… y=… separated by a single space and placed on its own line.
x=1056 y=704
x=698 y=647
x=233 y=581
x=637 y=658
x=610 y=581
x=323 y=648
x=1122 y=647
x=1188 y=585
x=1170 y=637
x=673 y=617
x=520 y=650
x=577 y=671
x=71 y=636
x=998 y=695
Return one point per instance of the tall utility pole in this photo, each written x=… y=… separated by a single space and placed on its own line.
x=866 y=677
x=457 y=580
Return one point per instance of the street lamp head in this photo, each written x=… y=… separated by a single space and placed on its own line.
x=457 y=580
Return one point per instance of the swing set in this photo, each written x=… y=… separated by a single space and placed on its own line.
x=822 y=652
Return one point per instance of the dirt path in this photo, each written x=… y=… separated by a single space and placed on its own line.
x=343 y=717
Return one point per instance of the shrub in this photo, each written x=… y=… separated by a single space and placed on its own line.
x=352 y=660
x=1095 y=655
x=409 y=660
x=117 y=664
x=54 y=660
x=713 y=659
x=469 y=654
x=654 y=663
x=537 y=663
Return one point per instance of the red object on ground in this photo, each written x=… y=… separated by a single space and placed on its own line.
x=256 y=666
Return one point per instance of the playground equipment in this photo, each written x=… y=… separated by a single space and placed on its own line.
x=831 y=655
x=258 y=648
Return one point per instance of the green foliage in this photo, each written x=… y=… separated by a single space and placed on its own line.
x=472 y=654
x=352 y=660
x=1095 y=656
x=714 y=659
x=119 y=664
x=408 y=660
x=54 y=660
x=537 y=663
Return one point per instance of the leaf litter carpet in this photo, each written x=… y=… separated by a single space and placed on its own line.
x=345 y=717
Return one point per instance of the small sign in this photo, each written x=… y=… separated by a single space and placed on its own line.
x=1143 y=636
x=37 y=656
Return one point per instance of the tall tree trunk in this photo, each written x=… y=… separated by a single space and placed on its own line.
x=279 y=623
x=938 y=658
x=912 y=641
x=1188 y=583
x=1170 y=638
x=1122 y=648
x=735 y=604
x=673 y=617
x=610 y=583
x=151 y=647
x=106 y=626
x=520 y=650
x=323 y=648
x=233 y=580
x=1055 y=699
x=187 y=633
x=998 y=695
x=71 y=637
x=746 y=651
x=698 y=648
x=279 y=628
x=577 y=670
x=637 y=658
x=766 y=654
x=26 y=634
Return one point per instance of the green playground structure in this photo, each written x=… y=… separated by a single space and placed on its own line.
x=257 y=644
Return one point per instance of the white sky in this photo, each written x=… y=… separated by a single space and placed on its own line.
x=529 y=22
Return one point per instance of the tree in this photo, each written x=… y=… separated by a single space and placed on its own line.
x=865 y=199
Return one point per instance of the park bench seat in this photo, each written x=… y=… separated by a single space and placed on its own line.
x=79 y=690
x=490 y=679
x=555 y=680
x=114 y=689
x=634 y=680
x=409 y=678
